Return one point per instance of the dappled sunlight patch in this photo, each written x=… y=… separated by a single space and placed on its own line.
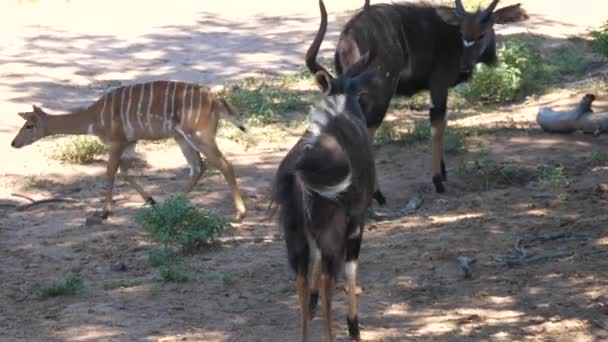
x=396 y=310
x=193 y=336
x=91 y=332
x=602 y=242
x=557 y=325
x=500 y=300
x=455 y=218
x=537 y=212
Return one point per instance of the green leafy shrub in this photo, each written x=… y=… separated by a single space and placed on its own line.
x=521 y=70
x=70 y=286
x=600 y=39
x=79 y=150
x=175 y=222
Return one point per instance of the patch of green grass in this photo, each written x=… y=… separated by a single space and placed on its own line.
x=485 y=173
x=122 y=284
x=262 y=101
x=79 y=150
x=387 y=132
x=553 y=175
x=420 y=133
x=598 y=156
x=172 y=275
x=176 y=223
x=71 y=285
x=600 y=39
x=228 y=280
x=567 y=59
x=455 y=141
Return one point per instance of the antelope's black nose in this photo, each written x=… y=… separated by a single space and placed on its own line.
x=13 y=143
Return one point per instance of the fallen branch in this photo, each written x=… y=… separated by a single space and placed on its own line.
x=25 y=207
x=23 y=196
x=522 y=257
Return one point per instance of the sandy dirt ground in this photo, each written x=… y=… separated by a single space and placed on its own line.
x=62 y=54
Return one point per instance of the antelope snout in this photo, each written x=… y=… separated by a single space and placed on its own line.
x=13 y=144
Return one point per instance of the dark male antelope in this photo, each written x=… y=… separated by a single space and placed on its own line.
x=416 y=47
x=323 y=189
x=188 y=113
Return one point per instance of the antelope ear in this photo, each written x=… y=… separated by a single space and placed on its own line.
x=26 y=115
x=38 y=110
x=448 y=15
x=323 y=80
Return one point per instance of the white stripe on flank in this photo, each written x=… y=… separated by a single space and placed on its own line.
x=172 y=105
x=125 y=128
x=191 y=99
x=188 y=139
x=165 y=114
x=150 y=99
x=112 y=110
x=103 y=110
x=141 y=97
x=200 y=106
x=332 y=191
x=183 y=119
x=128 y=112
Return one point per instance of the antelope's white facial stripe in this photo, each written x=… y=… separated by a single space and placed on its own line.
x=468 y=43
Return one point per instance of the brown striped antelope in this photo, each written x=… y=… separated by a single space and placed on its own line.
x=188 y=113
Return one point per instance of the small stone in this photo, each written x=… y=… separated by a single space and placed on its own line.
x=93 y=220
x=118 y=266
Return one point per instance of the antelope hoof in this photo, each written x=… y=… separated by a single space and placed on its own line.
x=97 y=218
x=439 y=188
x=103 y=214
x=353 y=329
x=240 y=216
x=313 y=302
x=444 y=174
x=379 y=197
x=150 y=201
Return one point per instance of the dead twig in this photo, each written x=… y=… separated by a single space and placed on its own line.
x=25 y=207
x=23 y=196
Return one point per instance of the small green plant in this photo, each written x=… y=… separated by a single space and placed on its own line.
x=172 y=275
x=122 y=284
x=598 y=156
x=484 y=173
x=175 y=222
x=161 y=257
x=387 y=132
x=261 y=101
x=421 y=132
x=70 y=286
x=79 y=150
x=455 y=141
x=521 y=70
x=600 y=39
x=553 y=175
x=227 y=280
